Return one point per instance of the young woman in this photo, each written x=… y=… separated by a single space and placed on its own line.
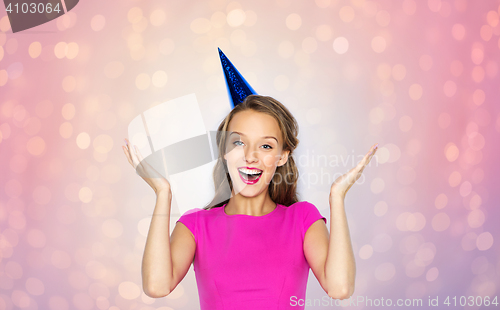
x=254 y=249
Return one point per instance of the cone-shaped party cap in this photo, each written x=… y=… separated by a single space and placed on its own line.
x=237 y=87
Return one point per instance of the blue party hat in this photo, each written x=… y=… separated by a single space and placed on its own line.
x=237 y=87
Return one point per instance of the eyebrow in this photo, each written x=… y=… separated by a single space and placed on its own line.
x=266 y=137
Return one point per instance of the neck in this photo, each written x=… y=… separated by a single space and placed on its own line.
x=255 y=206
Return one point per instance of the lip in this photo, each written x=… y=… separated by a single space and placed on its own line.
x=250 y=168
x=249 y=182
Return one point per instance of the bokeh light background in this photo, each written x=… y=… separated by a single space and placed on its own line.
x=418 y=77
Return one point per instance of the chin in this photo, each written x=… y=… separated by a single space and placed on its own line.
x=248 y=191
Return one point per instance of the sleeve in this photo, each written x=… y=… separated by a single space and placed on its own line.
x=190 y=219
x=310 y=215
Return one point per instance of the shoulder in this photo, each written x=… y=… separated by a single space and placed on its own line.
x=191 y=212
x=308 y=212
x=193 y=218
x=302 y=207
x=198 y=213
x=190 y=216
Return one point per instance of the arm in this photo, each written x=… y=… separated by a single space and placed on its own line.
x=330 y=255
x=166 y=259
x=340 y=267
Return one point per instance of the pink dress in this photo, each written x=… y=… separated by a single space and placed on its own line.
x=251 y=262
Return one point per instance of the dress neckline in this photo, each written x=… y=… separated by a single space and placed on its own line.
x=246 y=215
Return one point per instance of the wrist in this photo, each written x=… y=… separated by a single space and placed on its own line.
x=164 y=192
x=336 y=196
x=337 y=205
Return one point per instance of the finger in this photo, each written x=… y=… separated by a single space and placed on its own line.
x=368 y=156
x=372 y=154
x=360 y=172
x=354 y=170
x=129 y=151
x=368 y=160
x=133 y=155
x=146 y=170
x=362 y=165
x=362 y=162
x=351 y=175
x=372 y=150
x=127 y=144
x=138 y=153
x=125 y=150
x=130 y=148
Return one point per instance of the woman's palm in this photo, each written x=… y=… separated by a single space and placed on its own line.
x=343 y=183
x=148 y=173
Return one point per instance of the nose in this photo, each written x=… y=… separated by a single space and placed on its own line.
x=250 y=155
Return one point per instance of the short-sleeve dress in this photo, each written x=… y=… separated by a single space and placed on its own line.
x=251 y=262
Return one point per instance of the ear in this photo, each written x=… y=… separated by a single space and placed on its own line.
x=284 y=158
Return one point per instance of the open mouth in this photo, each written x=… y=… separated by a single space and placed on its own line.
x=250 y=176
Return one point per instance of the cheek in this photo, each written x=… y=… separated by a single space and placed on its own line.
x=233 y=155
x=270 y=160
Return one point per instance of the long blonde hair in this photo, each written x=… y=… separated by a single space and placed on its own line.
x=283 y=186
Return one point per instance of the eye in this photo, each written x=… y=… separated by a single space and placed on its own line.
x=270 y=147
x=235 y=142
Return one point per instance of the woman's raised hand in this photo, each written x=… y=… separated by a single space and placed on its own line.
x=148 y=173
x=343 y=183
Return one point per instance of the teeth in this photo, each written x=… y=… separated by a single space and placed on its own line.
x=249 y=171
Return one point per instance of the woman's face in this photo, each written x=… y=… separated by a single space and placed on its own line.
x=253 y=152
